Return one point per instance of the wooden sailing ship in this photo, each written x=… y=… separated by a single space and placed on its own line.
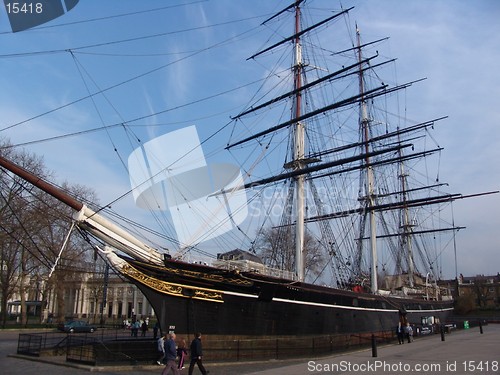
x=240 y=296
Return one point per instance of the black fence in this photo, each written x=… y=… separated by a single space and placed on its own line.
x=92 y=351
x=108 y=347
x=38 y=344
x=116 y=346
x=89 y=350
x=52 y=343
x=287 y=347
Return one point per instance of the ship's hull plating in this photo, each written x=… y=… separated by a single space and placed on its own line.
x=195 y=298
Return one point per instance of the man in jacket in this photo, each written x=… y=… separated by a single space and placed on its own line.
x=196 y=355
x=170 y=355
x=161 y=349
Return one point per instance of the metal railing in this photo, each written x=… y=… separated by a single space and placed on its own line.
x=117 y=347
x=56 y=343
x=91 y=350
x=35 y=344
x=287 y=347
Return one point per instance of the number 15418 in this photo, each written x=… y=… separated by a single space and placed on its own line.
x=24 y=7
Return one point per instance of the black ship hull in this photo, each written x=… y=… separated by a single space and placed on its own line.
x=195 y=298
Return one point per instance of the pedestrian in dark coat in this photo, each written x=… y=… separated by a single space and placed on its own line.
x=196 y=355
x=170 y=355
x=144 y=328
x=400 y=332
x=156 y=328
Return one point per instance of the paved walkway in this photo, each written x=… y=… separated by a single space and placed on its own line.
x=462 y=352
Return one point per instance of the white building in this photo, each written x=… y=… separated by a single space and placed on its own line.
x=84 y=299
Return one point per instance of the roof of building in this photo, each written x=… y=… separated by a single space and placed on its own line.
x=238 y=254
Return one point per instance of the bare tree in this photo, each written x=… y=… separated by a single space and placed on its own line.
x=71 y=267
x=33 y=227
x=483 y=291
x=9 y=267
x=98 y=289
x=15 y=213
x=276 y=247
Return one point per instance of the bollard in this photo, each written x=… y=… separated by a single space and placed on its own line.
x=442 y=333
x=374 y=346
x=481 y=327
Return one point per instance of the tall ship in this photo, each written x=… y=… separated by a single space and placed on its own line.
x=345 y=236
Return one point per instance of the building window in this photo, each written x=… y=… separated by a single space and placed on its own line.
x=130 y=310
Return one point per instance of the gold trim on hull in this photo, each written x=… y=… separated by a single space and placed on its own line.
x=172 y=289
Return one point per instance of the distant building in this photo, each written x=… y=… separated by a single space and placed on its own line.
x=481 y=292
x=238 y=254
x=484 y=289
x=84 y=300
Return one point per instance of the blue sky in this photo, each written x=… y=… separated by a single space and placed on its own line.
x=198 y=49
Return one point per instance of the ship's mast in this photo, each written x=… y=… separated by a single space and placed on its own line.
x=298 y=157
x=370 y=200
x=90 y=221
x=406 y=226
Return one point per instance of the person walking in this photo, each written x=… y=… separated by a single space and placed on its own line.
x=400 y=333
x=156 y=329
x=135 y=328
x=161 y=349
x=196 y=355
x=144 y=328
x=409 y=332
x=170 y=355
x=181 y=354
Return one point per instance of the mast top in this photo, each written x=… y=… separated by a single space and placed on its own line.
x=295 y=4
x=299 y=33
